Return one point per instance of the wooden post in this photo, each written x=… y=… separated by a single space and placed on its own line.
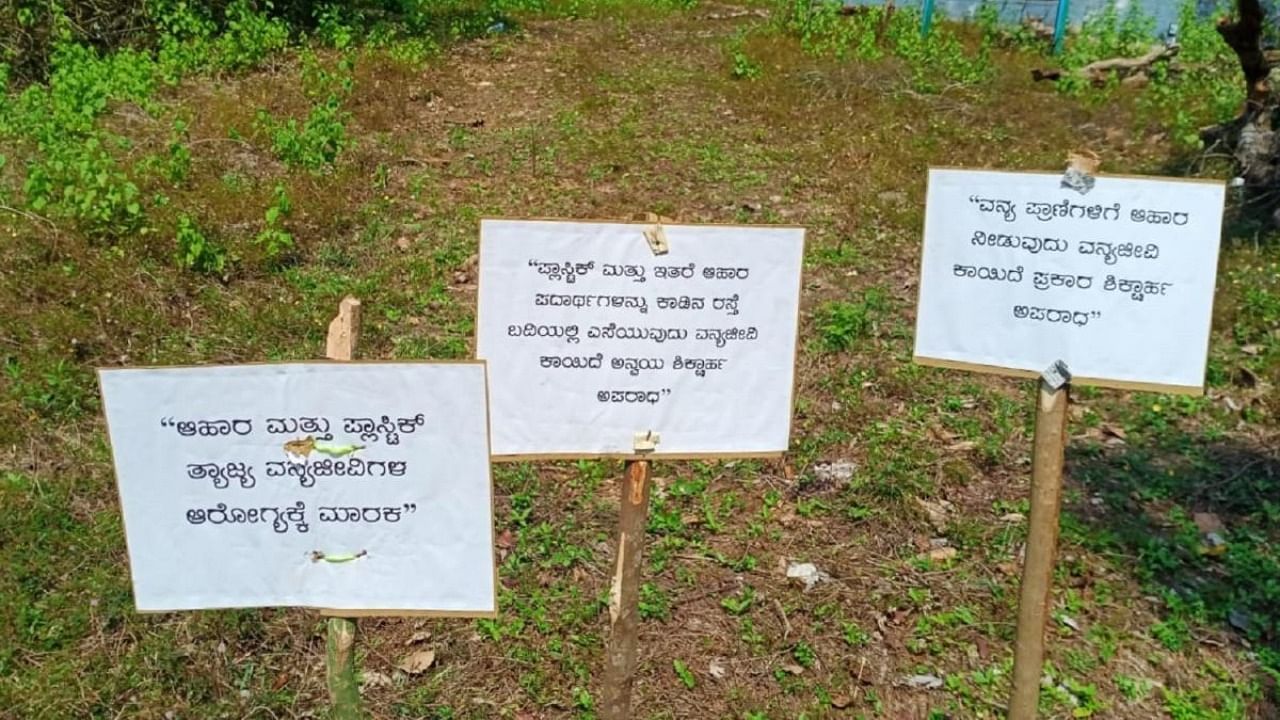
x=1042 y=542
x=926 y=18
x=624 y=597
x=1060 y=25
x=340 y=645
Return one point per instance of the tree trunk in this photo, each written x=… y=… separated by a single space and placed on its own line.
x=1251 y=138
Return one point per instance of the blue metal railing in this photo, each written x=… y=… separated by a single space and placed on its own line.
x=1057 y=14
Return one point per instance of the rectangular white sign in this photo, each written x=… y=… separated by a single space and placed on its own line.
x=344 y=486
x=1019 y=272
x=591 y=337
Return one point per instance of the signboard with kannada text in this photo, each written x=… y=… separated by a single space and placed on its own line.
x=1019 y=272
x=592 y=338
x=344 y=486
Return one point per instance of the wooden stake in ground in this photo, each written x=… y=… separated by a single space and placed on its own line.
x=1042 y=541
x=624 y=597
x=340 y=646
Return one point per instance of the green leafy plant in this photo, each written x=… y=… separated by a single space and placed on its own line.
x=740 y=603
x=853 y=635
x=56 y=394
x=685 y=674
x=315 y=143
x=841 y=324
x=873 y=32
x=196 y=251
x=273 y=239
x=743 y=66
x=804 y=654
x=654 y=602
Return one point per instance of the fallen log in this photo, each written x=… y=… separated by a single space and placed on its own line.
x=1101 y=71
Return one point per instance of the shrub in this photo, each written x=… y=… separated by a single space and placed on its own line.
x=196 y=251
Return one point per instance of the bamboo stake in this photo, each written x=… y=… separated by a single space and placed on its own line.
x=340 y=644
x=1042 y=541
x=624 y=598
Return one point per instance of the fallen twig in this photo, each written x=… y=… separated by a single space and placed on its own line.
x=786 y=624
x=29 y=215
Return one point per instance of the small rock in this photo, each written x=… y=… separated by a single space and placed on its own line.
x=716 y=669
x=404 y=243
x=925 y=682
x=808 y=573
x=1239 y=620
x=793 y=669
x=841 y=702
x=835 y=471
x=1013 y=518
x=939 y=542
x=420 y=636
x=938 y=555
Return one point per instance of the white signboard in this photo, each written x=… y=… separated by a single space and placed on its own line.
x=1019 y=272
x=344 y=486
x=591 y=338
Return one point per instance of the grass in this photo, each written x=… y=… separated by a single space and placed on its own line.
x=257 y=213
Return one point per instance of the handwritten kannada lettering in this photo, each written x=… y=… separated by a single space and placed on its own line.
x=632 y=396
x=223 y=474
x=308 y=472
x=1112 y=252
x=699 y=366
x=568 y=332
x=1078 y=317
x=1137 y=289
x=383 y=429
x=1044 y=281
x=1159 y=217
x=365 y=514
x=637 y=302
x=1005 y=208
x=989 y=273
x=1045 y=212
x=566 y=271
x=613 y=331
x=316 y=427
x=1030 y=243
x=208 y=428
x=280 y=519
